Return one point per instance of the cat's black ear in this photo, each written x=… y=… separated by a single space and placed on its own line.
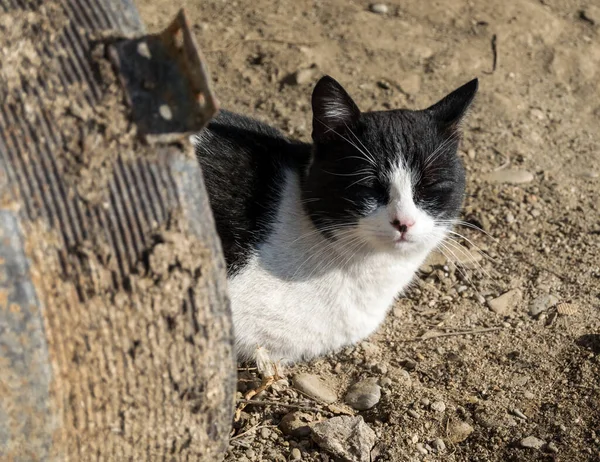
x=452 y=108
x=333 y=109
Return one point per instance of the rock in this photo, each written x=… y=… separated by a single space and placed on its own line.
x=315 y=387
x=296 y=454
x=591 y=14
x=542 y=303
x=510 y=176
x=348 y=438
x=265 y=433
x=250 y=454
x=380 y=368
x=379 y=8
x=458 y=431
x=532 y=442
x=414 y=414
x=468 y=258
x=438 y=406
x=411 y=85
x=518 y=413
x=506 y=302
x=422 y=449
x=363 y=395
x=296 y=424
x=301 y=77
x=370 y=349
x=439 y=445
x=433 y=261
x=385 y=382
x=552 y=447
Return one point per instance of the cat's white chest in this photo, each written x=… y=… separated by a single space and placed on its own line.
x=296 y=319
x=299 y=298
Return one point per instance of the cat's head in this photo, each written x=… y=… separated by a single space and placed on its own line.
x=388 y=180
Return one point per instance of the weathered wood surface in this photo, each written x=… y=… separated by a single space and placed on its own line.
x=115 y=332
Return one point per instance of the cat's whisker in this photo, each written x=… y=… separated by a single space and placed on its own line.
x=479 y=249
x=466 y=252
x=441 y=247
x=346 y=139
x=466 y=224
x=361 y=143
x=438 y=151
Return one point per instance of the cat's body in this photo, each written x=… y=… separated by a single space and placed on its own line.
x=319 y=239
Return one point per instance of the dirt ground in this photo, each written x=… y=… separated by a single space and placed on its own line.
x=537 y=112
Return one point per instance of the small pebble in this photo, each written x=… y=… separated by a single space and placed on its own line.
x=265 y=433
x=315 y=387
x=509 y=176
x=409 y=364
x=296 y=454
x=519 y=414
x=413 y=413
x=438 y=406
x=302 y=76
x=296 y=424
x=425 y=401
x=385 y=382
x=542 y=303
x=143 y=50
x=165 y=112
x=439 y=445
x=363 y=395
x=552 y=447
x=380 y=368
x=532 y=442
x=250 y=453
x=506 y=302
x=458 y=431
x=422 y=449
x=379 y=8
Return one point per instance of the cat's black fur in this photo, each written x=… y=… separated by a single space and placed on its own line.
x=343 y=174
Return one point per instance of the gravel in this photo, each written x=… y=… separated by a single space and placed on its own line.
x=532 y=442
x=364 y=395
x=315 y=387
x=348 y=438
x=379 y=8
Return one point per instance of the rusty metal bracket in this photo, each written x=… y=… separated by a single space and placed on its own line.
x=166 y=82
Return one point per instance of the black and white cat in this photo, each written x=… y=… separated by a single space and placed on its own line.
x=320 y=238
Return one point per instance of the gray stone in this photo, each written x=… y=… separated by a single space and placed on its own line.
x=364 y=395
x=296 y=454
x=542 y=303
x=302 y=76
x=532 y=442
x=315 y=387
x=509 y=176
x=458 y=431
x=422 y=449
x=348 y=438
x=296 y=424
x=379 y=8
x=439 y=445
x=438 y=406
x=506 y=302
x=385 y=382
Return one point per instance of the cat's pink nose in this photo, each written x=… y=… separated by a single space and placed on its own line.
x=403 y=225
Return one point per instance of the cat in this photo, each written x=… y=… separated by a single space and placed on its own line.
x=319 y=239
